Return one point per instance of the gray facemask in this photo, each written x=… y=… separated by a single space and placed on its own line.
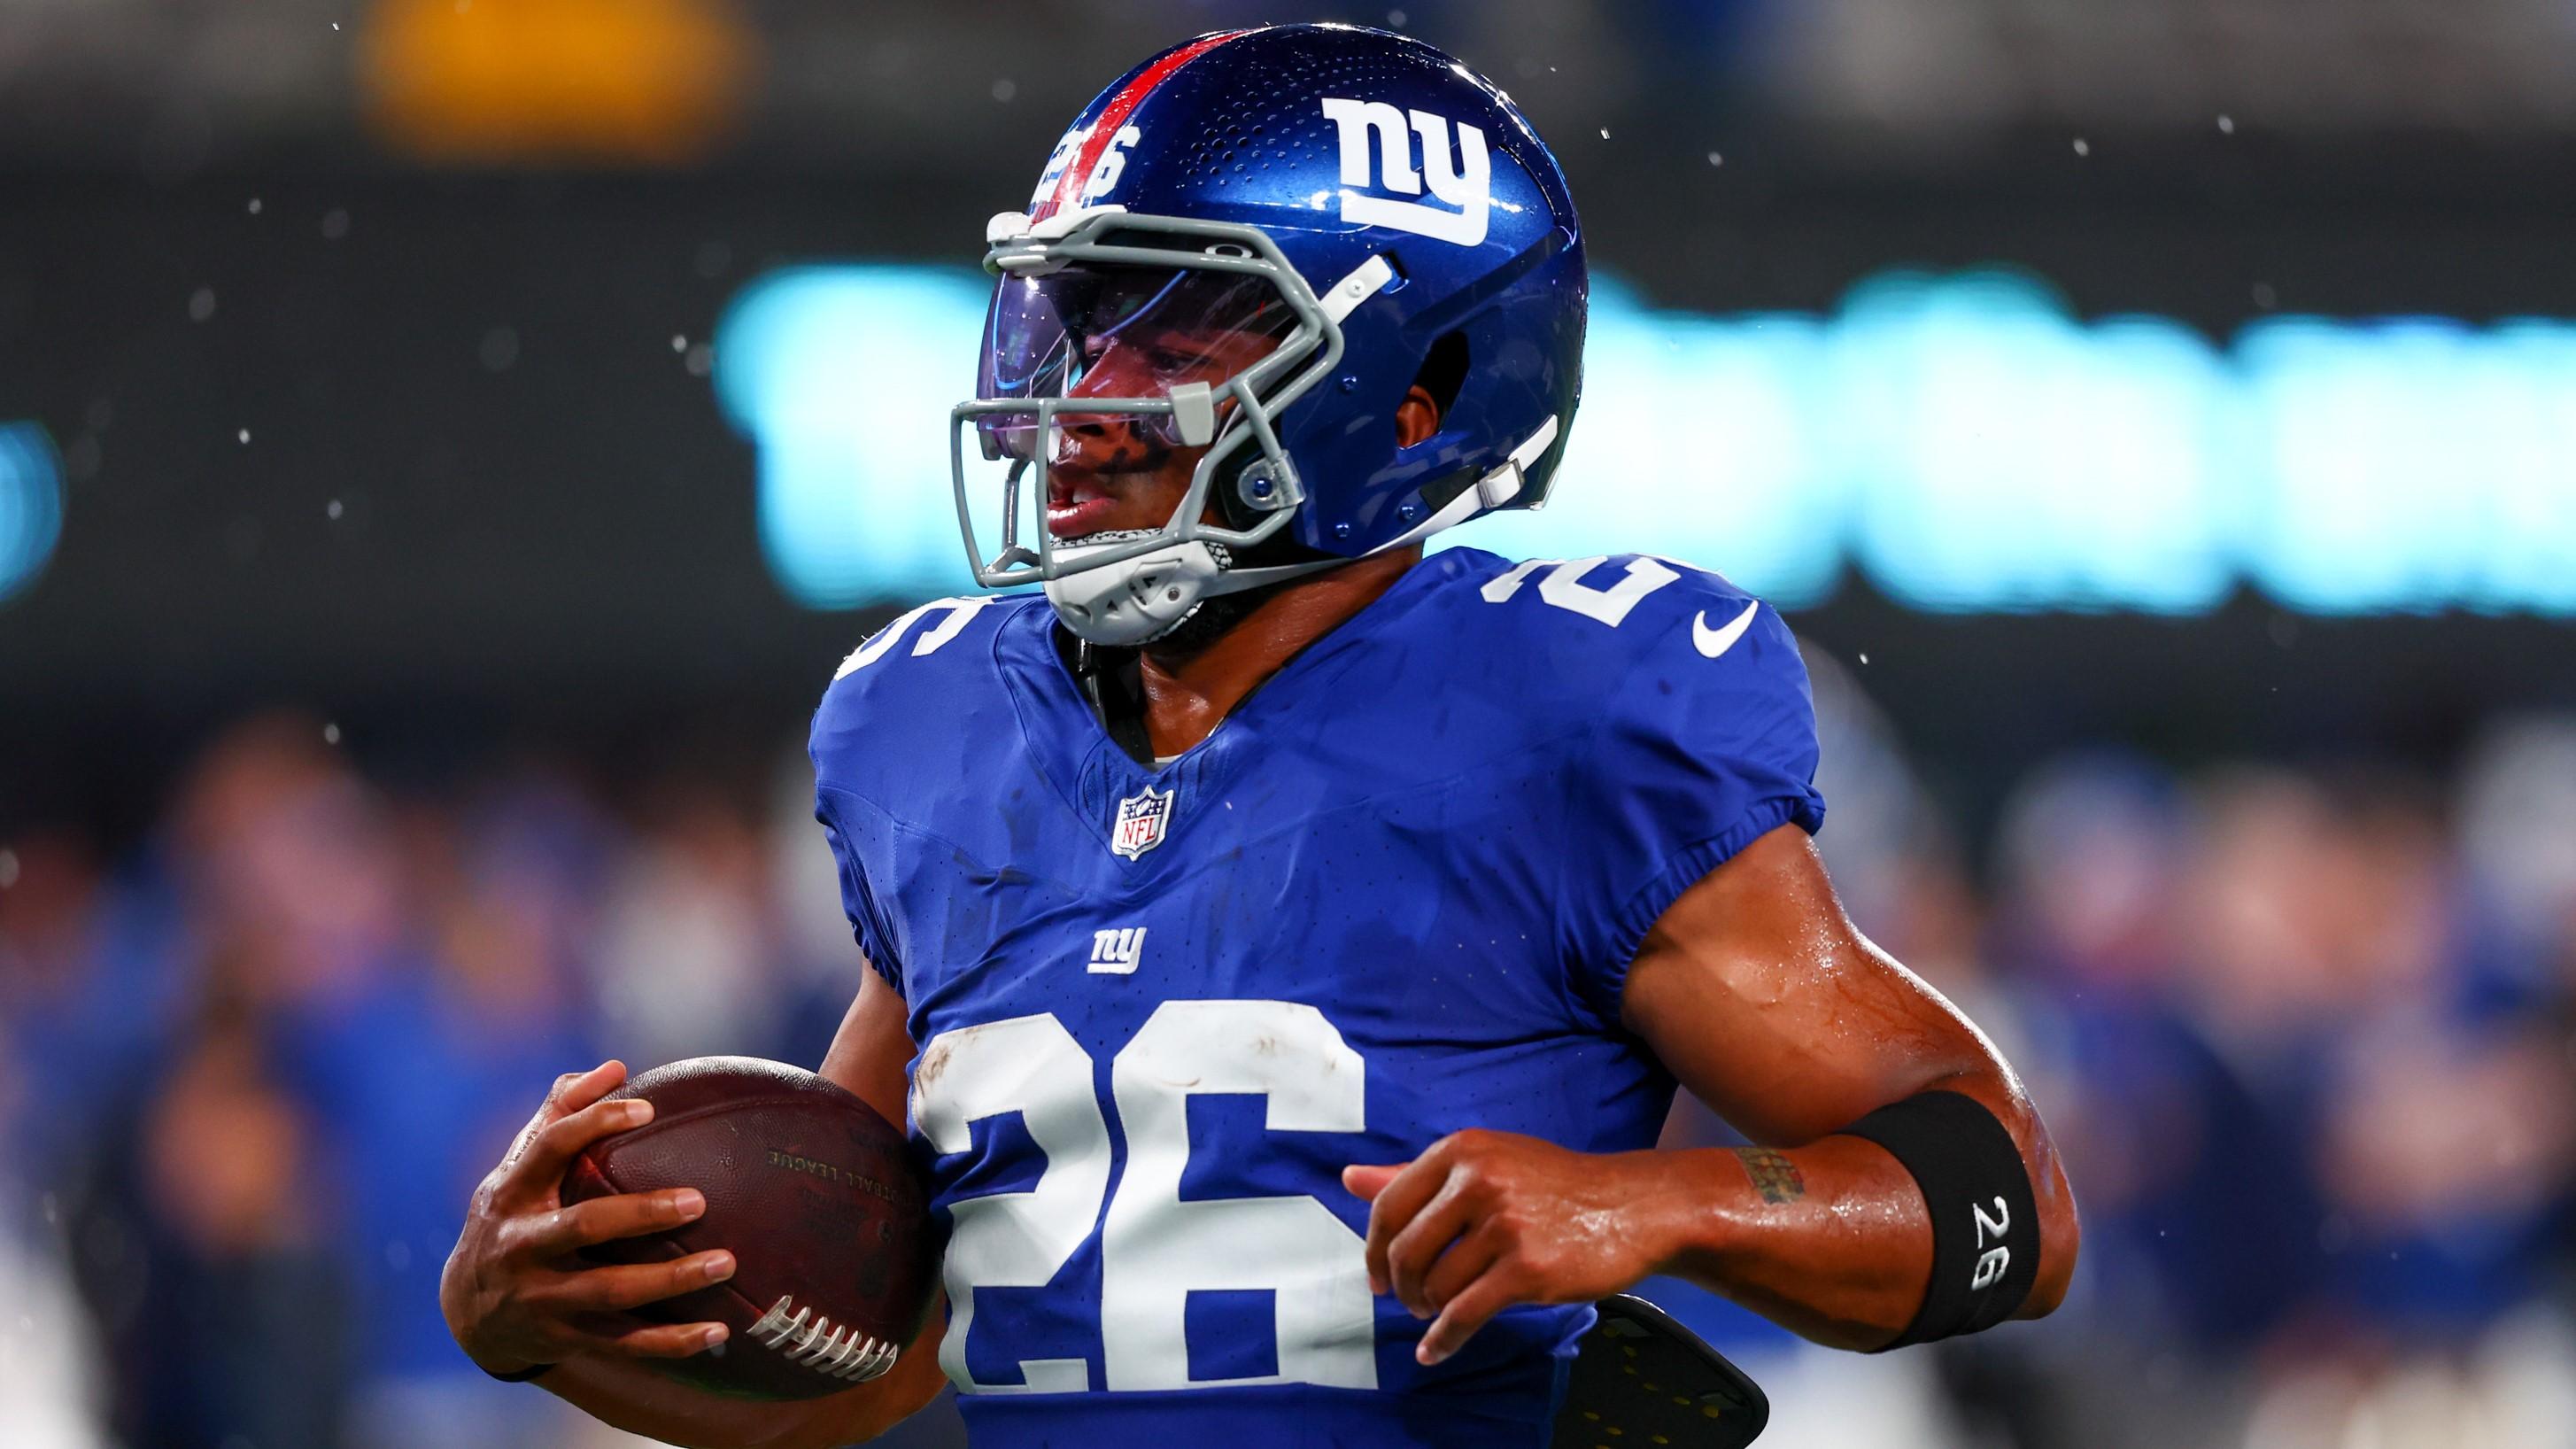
x=1132 y=586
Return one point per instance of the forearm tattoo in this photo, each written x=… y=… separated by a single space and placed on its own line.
x=1773 y=1174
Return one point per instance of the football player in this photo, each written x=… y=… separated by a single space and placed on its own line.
x=1285 y=946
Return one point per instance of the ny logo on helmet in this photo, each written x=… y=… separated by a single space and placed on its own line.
x=1464 y=180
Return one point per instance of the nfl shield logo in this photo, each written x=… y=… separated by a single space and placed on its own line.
x=1141 y=819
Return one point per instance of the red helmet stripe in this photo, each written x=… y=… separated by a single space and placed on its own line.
x=1113 y=116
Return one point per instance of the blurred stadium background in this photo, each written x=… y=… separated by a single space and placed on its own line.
x=445 y=446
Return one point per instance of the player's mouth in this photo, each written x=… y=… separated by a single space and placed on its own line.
x=1079 y=507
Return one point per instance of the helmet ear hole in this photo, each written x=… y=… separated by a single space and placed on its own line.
x=1437 y=382
x=1444 y=371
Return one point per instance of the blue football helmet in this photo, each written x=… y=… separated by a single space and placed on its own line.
x=1366 y=209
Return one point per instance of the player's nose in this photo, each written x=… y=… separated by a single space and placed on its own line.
x=1099 y=441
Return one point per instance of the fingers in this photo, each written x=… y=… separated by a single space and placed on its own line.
x=603 y=1219
x=1466 y=1313
x=1365 y=1183
x=1412 y=1252
x=570 y=1093
x=1394 y=1207
x=1476 y=1251
x=556 y=1144
x=616 y=1289
x=674 y=1340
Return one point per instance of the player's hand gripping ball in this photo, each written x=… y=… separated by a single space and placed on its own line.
x=810 y=1191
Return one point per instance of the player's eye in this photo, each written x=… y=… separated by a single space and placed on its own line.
x=1174 y=361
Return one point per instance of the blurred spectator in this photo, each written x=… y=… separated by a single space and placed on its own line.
x=243 y=1330
x=2196 y=1209
x=684 y=966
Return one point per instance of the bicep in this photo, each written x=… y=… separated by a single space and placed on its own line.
x=869 y=1053
x=1761 y=997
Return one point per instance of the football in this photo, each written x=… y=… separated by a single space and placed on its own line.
x=810 y=1191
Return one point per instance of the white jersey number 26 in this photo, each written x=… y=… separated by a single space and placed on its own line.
x=1155 y=1249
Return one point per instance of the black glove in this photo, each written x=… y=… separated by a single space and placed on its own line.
x=1640 y=1372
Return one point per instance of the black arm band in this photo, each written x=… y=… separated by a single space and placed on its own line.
x=523 y=1375
x=1985 y=1224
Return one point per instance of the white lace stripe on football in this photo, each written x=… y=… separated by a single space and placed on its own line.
x=841 y=1353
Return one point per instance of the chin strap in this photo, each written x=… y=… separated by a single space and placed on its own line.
x=1495 y=489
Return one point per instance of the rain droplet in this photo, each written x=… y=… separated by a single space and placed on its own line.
x=333 y=510
x=679 y=343
x=701 y=360
x=2265 y=297
x=1605 y=133
x=254 y=206
x=2227 y=125
x=2083 y=147
x=244 y=435
x=201 y=304
x=1715 y=159
x=500 y=349
x=1395 y=17
x=8 y=869
x=330 y=734
x=1003 y=90
x=1864 y=659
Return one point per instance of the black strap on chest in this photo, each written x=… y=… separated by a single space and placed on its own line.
x=1113 y=685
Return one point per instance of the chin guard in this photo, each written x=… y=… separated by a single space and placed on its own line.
x=1134 y=600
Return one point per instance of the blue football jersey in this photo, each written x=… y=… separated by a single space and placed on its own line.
x=1394 y=895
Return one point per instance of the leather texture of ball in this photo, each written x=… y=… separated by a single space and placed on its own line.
x=812 y=1193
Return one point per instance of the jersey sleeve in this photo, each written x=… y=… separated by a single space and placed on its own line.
x=867 y=924
x=1692 y=759
x=843 y=744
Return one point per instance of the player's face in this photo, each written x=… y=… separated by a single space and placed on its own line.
x=1113 y=471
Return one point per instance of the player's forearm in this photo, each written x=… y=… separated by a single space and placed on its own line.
x=1832 y=1240
x=625 y=1394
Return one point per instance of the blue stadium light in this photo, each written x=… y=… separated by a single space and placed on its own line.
x=822 y=367
x=31 y=505
x=1963 y=440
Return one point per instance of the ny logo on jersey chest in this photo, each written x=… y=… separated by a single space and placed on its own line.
x=1116 y=951
x=1142 y=820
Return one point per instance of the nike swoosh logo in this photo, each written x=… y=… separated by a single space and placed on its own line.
x=1714 y=642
